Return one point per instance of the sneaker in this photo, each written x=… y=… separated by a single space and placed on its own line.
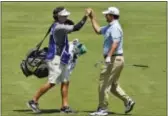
x=99 y=112
x=129 y=106
x=34 y=106
x=66 y=109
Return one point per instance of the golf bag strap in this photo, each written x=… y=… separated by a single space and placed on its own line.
x=39 y=44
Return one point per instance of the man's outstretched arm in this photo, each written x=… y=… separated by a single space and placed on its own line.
x=95 y=25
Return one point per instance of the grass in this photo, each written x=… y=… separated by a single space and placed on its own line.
x=144 y=25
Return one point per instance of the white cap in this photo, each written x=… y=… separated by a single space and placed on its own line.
x=64 y=13
x=112 y=10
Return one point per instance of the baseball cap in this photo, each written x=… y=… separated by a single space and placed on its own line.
x=112 y=10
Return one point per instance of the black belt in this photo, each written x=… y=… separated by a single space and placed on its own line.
x=117 y=55
x=114 y=55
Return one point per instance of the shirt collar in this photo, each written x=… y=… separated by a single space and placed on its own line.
x=114 y=21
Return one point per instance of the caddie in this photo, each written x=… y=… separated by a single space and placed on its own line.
x=58 y=57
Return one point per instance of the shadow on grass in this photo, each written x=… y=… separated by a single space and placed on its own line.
x=110 y=113
x=50 y=111
x=43 y=111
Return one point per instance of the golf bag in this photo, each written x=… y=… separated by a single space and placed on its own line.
x=34 y=63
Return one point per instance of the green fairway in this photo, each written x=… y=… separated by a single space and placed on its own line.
x=144 y=24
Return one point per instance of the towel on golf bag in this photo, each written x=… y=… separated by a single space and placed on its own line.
x=76 y=49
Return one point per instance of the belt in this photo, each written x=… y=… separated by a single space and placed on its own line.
x=117 y=55
x=114 y=55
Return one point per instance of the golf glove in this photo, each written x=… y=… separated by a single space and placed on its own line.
x=108 y=59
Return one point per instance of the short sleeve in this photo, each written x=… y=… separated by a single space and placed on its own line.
x=103 y=29
x=115 y=34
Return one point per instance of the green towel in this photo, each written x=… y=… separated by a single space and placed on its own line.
x=82 y=49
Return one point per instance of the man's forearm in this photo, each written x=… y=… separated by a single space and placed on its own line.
x=80 y=24
x=95 y=25
x=113 y=48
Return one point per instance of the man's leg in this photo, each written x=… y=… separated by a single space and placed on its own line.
x=64 y=90
x=103 y=92
x=115 y=74
x=33 y=104
x=64 y=93
x=111 y=75
x=119 y=92
x=42 y=91
x=115 y=88
x=53 y=77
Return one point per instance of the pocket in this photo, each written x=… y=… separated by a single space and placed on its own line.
x=56 y=60
x=119 y=61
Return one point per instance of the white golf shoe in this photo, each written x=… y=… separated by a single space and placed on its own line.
x=100 y=112
x=129 y=106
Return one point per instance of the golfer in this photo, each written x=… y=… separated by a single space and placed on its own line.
x=114 y=61
x=58 y=57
